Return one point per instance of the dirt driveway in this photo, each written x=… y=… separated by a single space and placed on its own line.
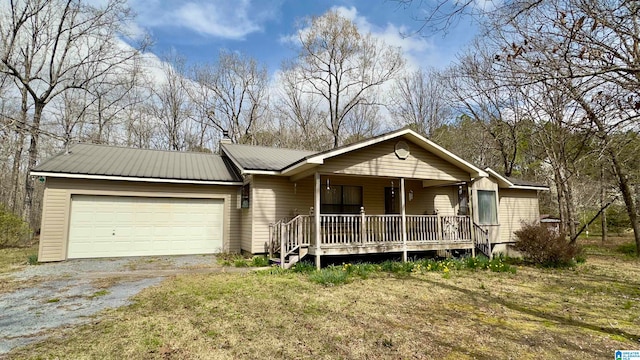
x=54 y=295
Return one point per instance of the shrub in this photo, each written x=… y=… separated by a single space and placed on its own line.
x=13 y=231
x=32 y=259
x=545 y=247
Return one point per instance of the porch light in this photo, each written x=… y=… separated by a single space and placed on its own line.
x=328 y=187
x=410 y=195
x=392 y=189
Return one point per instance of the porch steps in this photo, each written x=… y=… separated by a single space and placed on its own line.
x=293 y=258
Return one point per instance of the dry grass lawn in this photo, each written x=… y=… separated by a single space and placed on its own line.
x=581 y=313
x=13 y=259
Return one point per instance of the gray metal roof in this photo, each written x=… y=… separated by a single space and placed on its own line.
x=142 y=163
x=521 y=182
x=251 y=157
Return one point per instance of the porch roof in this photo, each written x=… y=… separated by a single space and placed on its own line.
x=288 y=162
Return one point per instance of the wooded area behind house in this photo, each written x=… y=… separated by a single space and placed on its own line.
x=548 y=92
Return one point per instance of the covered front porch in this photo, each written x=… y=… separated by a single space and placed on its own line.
x=406 y=215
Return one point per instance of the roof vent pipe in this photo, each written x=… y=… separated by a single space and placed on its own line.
x=225 y=137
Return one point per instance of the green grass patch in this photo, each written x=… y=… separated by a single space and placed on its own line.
x=329 y=276
x=259 y=261
x=99 y=293
x=628 y=249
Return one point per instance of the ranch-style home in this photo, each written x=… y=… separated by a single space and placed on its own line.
x=394 y=193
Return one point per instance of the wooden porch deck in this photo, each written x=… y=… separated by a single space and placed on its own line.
x=342 y=234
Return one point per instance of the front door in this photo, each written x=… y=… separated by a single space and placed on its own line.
x=391 y=200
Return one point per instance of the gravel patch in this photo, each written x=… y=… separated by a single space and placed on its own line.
x=69 y=293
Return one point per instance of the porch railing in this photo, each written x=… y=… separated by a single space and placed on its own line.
x=482 y=240
x=341 y=229
x=286 y=237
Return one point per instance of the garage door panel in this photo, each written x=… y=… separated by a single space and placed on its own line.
x=111 y=226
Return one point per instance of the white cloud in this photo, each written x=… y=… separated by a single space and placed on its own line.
x=231 y=19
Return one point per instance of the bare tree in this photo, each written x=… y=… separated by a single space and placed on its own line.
x=51 y=46
x=169 y=102
x=475 y=88
x=301 y=112
x=419 y=101
x=233 y=95
x=341 y=67
x=572 y=42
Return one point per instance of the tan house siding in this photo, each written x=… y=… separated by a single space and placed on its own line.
x=246 y=215
x=57 y=207
x=53 y=229
x=516 y=206
x=276 y=198
x=381 y=160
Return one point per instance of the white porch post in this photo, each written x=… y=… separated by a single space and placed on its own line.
x=403 y=213
x=316 y=217
x=470 y=215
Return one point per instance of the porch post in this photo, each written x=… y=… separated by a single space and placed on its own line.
x=470 y=211
x=316 y=217
x=403 y=213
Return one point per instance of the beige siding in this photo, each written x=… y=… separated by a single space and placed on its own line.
x=53 y=231
x=246 y=223
x=57 y=201
x=516 y=206
x=276 y=198
x=380 y=160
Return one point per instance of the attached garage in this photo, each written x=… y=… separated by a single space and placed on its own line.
x=113 y=226
x=102 y=201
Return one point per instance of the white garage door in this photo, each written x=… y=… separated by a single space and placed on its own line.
x=111 y=226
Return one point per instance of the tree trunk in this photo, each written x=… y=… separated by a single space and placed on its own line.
x=17 y=154
x=627 y=195
x=603 y=216
x=27 y=211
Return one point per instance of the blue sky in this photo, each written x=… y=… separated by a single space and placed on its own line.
x=198 y=29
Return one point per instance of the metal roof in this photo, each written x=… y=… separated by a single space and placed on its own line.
x=88 y=159
x=250 y=157
x=521 y=182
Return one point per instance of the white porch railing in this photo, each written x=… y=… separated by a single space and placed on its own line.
x=341 y=229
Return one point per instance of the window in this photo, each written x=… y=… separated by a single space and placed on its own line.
x=487 y=212
x=341 y=199
x=245 y=196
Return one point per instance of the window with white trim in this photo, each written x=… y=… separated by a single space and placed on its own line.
x=487 y=208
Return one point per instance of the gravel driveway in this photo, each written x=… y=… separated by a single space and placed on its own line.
x=53 y=295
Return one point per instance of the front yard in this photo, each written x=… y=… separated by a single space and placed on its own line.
x=582 y=313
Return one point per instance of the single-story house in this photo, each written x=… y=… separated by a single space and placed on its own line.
x=397 y=192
